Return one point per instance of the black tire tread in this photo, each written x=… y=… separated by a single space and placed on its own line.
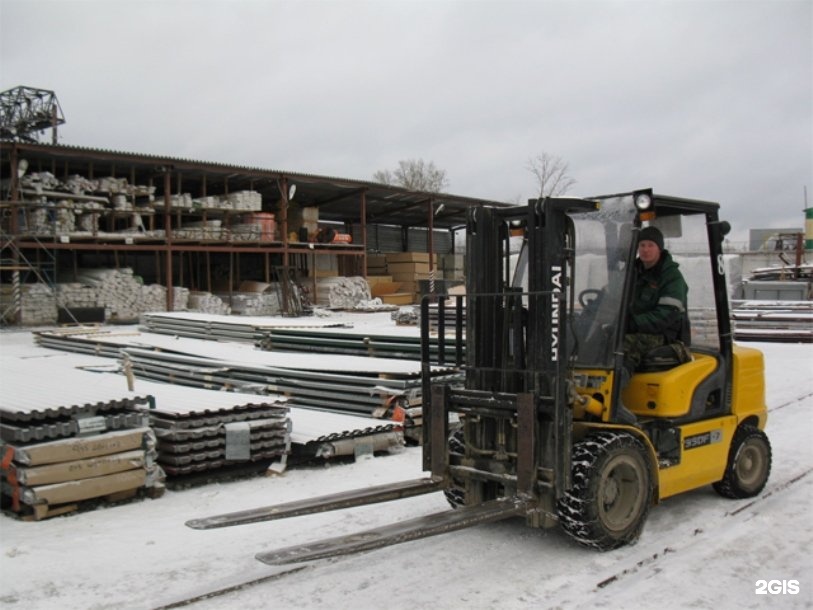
x=729 y=486
x=577 y=507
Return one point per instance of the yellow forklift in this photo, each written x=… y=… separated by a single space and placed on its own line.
x=537 y=428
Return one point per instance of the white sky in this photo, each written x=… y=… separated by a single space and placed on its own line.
x=707 y=98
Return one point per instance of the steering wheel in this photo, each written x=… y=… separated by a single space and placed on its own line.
x=590 y=296
x=593 y=321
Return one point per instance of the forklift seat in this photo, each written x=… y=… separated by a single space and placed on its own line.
x=668 y=393
x=664 y=358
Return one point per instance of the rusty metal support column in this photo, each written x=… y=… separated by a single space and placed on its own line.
x=283 y=213
x=363 y=216
x=168 y=238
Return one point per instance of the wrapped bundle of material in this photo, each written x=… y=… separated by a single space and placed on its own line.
x=245 y=231
x=38 y=305
x=40 y=181
x=119 y=291
x=79 y=184
x=342 y=292
x=51 y=221
x=206 y=302
x=253 y=304
x=54 y=477
x=245 y=200
x=75 y=294
x=112 y=185
x=154 y=298
x=88 y=223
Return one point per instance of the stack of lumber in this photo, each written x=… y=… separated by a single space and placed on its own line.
x=376 y=264
x=407 y=269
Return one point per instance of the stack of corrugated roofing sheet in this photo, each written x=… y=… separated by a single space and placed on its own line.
x=352 y=384
x=302 y=335
x=311 y=435
x=790 y=321
x=245 y=329
x=212 y=438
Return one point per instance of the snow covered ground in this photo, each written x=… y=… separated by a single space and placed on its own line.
x=697 y=550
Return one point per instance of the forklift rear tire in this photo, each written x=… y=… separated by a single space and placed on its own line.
x=749 y=464
x=612 y=491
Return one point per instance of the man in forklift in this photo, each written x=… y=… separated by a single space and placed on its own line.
x=658 y=315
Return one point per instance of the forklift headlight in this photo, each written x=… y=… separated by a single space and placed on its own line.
x=643 y=201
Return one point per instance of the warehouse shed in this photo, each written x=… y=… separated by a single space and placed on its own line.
x=205 y=226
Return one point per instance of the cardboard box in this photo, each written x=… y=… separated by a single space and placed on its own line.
x=80 y=469
x=70 y=449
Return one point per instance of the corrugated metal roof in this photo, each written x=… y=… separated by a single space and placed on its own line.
x=338 y=199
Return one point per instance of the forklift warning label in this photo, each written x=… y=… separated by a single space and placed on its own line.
x=701 y=440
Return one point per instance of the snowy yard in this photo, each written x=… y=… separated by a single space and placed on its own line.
x=697 y=550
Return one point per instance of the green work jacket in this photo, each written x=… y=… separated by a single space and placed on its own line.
x=658 y=304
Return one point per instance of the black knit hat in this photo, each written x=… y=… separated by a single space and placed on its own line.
x=651 y=234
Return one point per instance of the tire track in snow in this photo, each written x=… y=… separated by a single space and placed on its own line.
x=791 y=402
x=225 y=590
x=653 y=557
x=650 y=559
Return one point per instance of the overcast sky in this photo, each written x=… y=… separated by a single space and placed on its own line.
x=707 y=98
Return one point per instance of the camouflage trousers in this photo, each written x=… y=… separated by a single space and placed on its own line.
x=638 y=345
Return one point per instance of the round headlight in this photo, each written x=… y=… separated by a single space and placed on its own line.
x=643 y=201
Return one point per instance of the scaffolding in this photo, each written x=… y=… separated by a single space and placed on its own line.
x=26 y=112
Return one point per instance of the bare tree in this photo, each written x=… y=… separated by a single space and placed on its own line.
x=416 y=175
x=551 y=174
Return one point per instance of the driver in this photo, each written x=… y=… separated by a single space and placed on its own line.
x=658 y=312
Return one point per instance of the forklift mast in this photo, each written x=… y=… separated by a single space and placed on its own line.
x=516 y=354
